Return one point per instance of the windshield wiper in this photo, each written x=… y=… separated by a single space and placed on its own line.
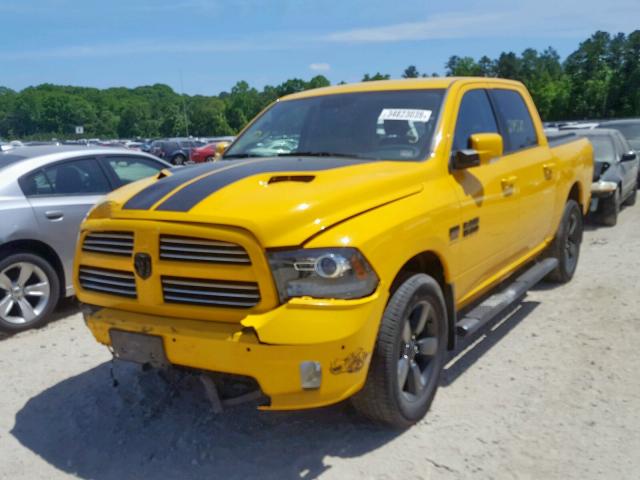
x=321 y=154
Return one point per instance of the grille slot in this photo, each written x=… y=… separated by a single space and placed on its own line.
x=112 y=282
x=188 y=249
x=210 y=293
x=112 y=243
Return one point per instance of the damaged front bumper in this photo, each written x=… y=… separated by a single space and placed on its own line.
x=304 y=354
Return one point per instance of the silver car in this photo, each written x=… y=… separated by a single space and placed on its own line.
x=45 y=192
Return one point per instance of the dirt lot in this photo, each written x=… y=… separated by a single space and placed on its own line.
x=552 y=391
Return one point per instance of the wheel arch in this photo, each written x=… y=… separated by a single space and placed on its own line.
x=432 y=264
x=41 y=249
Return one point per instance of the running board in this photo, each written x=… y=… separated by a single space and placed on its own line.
x=475 y=319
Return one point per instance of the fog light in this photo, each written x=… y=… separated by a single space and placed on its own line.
x=310 y=375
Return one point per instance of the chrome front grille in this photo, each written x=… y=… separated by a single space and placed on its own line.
x=188 y=249
x=211 y=293
x=112 y=243
x=112 y=282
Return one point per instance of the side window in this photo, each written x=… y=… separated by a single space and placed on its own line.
x=78 y=177
x=475 y=116
x=36 y=183
x=130 y=169
x=516 y=120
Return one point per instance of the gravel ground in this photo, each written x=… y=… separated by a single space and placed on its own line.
x=551 y=392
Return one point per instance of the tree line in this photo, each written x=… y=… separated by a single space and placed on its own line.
x=601 y=79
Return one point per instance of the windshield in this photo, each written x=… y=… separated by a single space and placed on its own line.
x=631 y=132
x=387 y=125
x=603 y=150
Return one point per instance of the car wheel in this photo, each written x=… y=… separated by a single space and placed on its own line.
x=209 y=159
x=631 y=199
x=179 y=160
x=611 y=209
x=408 y=356
x=29 y=291
x=566 y=244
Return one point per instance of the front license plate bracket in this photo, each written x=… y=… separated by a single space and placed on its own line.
x=139 y=348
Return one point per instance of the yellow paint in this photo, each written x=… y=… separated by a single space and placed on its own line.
x=390 y=211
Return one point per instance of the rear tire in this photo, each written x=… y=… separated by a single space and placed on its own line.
x=566 y=244
x=29 y=291
x=631 y=199
x=179 y=160
x=408 y=357
x=610 y=209
x=209 y=159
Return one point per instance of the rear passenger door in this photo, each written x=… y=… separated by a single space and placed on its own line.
x=61 y=194
x=488 y=206
x=532 y=166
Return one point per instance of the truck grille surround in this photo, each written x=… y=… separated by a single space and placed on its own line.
x=111 y=243
x=112 y=282
x=187 y=249
x=205 y=274
x=213 y=293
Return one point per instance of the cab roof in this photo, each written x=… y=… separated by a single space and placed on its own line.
x=403 y=84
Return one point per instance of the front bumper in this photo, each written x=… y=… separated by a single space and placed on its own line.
x=338 y=335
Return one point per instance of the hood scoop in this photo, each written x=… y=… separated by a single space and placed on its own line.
x=291 y=178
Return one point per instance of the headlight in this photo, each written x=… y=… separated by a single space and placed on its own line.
x=322 y=273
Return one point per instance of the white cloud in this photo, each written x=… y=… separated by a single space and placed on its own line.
x=137 y=48
x=320 y=67
x=545 y=18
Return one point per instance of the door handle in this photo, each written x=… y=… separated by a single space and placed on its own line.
x=54 y=215
x=548 y=168
x=508 y=184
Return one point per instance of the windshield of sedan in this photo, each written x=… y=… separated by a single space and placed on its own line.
x=603 y=149
x=631 y=132
x=385 y=125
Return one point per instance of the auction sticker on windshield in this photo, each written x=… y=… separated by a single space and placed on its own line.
x=415 y=115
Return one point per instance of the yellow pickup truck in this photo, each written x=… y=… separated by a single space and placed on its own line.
x=344 y=242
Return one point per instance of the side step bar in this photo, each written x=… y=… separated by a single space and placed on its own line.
x=475 y=319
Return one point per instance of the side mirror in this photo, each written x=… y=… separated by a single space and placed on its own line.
x=466 y=158
x=488 y=146
x=484 y=147
x=628 y=157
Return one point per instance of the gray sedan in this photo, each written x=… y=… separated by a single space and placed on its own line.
x=615 y=174
x=45 y=192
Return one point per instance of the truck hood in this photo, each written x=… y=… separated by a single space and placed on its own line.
x=281 y=201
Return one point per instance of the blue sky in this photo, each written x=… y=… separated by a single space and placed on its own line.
x=214 y=43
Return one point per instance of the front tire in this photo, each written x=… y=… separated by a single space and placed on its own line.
x=408 y=356
x=566 y=244
x=29 y=291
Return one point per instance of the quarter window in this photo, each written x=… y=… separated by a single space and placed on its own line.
x=475 y=116
x=129 y=169
x=519 y=131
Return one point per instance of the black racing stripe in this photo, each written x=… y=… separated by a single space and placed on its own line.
x=146 y=198
x=187 y=198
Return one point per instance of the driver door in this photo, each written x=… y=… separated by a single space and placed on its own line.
x=488 y=201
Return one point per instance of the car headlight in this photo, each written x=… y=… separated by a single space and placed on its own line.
x=322 y=273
